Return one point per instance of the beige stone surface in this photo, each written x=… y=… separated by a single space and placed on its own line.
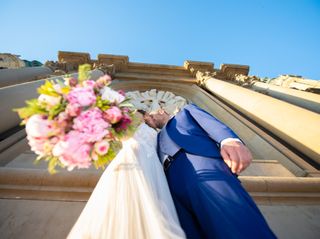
x=270 y=168
x=303 y=99
x=21 y=75
x=26 y=160
x=27 y=219
x=54 y=219
x=293 y=221
x=13 y=151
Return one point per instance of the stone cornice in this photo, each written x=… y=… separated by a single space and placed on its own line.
x=78 y=185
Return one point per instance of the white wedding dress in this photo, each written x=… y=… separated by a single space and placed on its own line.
x=132 y=198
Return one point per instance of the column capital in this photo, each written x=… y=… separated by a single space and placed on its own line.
x=194 y=66
x=230 y=70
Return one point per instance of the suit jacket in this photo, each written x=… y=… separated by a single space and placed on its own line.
x=194 y=130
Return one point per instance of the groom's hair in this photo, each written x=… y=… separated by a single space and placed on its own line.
x=143 y=112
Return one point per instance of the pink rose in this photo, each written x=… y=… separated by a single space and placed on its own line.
x=121 y=92
x=64 y=120
x=103 y=81
x=41 y=145
x=89 y=83
x=91 y=124
x=94 y=155
x=73 y=151
x=113 y=115
x=38 y=126
x=102 y=147
x=71 y=81
x=37 y=144
x=73 y=110
x=81 y=96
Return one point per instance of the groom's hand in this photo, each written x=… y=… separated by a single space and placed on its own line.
x=236 y=155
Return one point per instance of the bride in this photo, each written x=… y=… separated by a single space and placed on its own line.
x=132 y=198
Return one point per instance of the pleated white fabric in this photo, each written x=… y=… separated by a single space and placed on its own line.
x=132 y=198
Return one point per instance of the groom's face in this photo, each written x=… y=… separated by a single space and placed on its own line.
x=156 y=120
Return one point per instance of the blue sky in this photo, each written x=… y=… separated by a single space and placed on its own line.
x=272 y=37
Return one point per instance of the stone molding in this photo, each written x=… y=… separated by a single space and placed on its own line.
x=226 y=71
x=78 y=185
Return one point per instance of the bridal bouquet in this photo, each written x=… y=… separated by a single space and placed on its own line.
x=78 y=122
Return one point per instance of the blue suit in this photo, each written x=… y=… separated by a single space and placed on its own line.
x=209 y=198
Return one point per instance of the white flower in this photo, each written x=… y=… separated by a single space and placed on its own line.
x=37 y=126
x=49 y=100
x=113 y=96
x=57 y=88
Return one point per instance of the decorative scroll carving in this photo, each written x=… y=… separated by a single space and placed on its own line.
x=56 y=67
x=153 y=100
x=202 y=77
x=107 y=69
x=72 y=60
x=119 y=62
x=194 y=66
x=245 y=80
x=75 y=57
x=230 y=70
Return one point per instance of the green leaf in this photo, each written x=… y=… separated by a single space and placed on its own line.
x=32 y=108
x=84 y=72
x=48 y=89
x=38 y=159
x=53 y=162
x=102 y=104
x=56 y=110
x=126 y=103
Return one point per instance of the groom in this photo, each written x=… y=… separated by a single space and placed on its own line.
x=202 y=157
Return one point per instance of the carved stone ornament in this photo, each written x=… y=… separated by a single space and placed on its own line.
x=202 y=77
x=194 y=66
x=230 y=70
x=245 y=80
x=107 y=69
x=119 y=62
x=153 y=100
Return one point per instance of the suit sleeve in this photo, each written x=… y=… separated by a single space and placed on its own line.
x=215 y=129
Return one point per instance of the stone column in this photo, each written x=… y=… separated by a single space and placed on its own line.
x=21 y=75
x=303 y=99
x=296 y=126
